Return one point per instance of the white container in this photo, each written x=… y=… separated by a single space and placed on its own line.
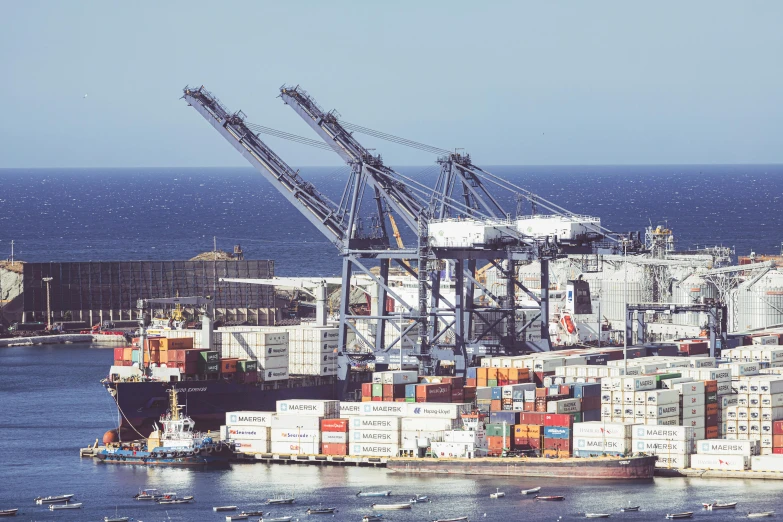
x=249 y=418
x=691 y=412
x=374 y=436
x=294 y=422
x=667 y=410
x=726 y=401
x=453 y=449
x=663 y=421
x=692 y=400
x=742 y=369
x=296 y=435
x=334 y=437
x=427 y=424
x=376 y=408
x=371 y=449
x=274 y=374
x=251 y=446
x=375 y=423
x=657 y=447
x=772 y=463
x=772 y=401
x=598 y=429
x=690 y=388
x=766 y=340
x=564 y=406
x=548 y=365
x=636 y=384
x=247 y=433
x=771 y=414
x=726 y=447
x=400 y=377
x=680 y=433
x=273 y=351
x=661 y=397
x=273 y=363
x=326 y=409
x=770 y=385
x=294 y=448
x=720 y=462
x=724 y=387
x=604 y=444
x=671 y=461
x=433 y=409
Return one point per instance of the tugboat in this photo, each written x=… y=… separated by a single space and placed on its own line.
x=175 y=444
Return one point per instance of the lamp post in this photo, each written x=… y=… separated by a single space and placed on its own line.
x=48 y=280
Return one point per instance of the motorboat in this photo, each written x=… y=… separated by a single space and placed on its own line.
x=321 y=511
x=276 y=519
x=280 y=499
x=420 y=498
x=8 y=512
x=458 y=519
x=147 y=494
x=67 y=505
x=372 y=518
x=531 y=491
x=239 y=516
x=391 y=507
x=629 y=507
x=53 y=499
x=252 y=513
x=373 y=494
x=761 y=514
x=720 y=505
x=167 y=501
x=686 y=514
x=116 y=519
x=550 y=497
x=597 y=515
x=224 y=508
x=497 y=494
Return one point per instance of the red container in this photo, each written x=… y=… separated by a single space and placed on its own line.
x=470 y=393
x=191 y=368
x=559 y=419
x=377 y=399
x=534 y=442
x=495 y=443
x=777 y=441
x=193 y=354
x=367 y=389
x=387 y=398
x=777 y=428
x=388 y=390
x=119 y=354
x=458 y=395
x=522 y=443
x=559 y=444
x=456 y=382
x=334 y=449
x=244 y=377
x=529 y=406
x=471 y=382
x=777 y=451
x=711 y=432
x=433 y=393
x=532 y=418
x=334 y=425
x=565 y=390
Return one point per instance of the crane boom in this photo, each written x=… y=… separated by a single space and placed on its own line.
x=316 y=207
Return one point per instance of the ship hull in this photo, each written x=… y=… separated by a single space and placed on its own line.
x=142 y=403
x=632 y=468
x=217 y=458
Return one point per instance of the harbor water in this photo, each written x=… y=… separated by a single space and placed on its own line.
x=52 y=403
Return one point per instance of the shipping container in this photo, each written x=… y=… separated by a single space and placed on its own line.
x=296 y=422
x=329 y=448
x=334 y=425
x=249 y=418
x=720 y=462
x=251 y=446
x=373 y=449
x=248 y=432
x=328 y=409
x=294 y=448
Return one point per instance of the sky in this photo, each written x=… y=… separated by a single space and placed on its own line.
x=511 y=82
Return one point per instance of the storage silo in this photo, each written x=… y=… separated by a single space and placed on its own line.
x=760 y=304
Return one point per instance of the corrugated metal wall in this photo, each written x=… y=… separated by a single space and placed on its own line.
x=112 y=287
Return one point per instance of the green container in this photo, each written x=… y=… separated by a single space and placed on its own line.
x=664 y=376
x=492 y=382
x=247 y=366
x=210 y=357
x=496 y=430
x=377 y=390
x=577 y=416
x=205 y=367
x=410 y=399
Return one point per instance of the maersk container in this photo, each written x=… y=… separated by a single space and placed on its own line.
x=673 y=461
x=373 y=449
x=603 y=444
x=663 y=432
x=375 y=436
x=375 y=423
x=328 y=409
x=727 y=447
x=742 y=369
x=720 y=462
x=636 y=384
x=249 y=418
x=657 y=447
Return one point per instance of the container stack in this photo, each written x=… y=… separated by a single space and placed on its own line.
x=777 y=438
x=494 y=376
x=724 y=454
x=594 y=439
x=296 y=427
x=334 y=437
x=248 y=430
x=692 y=406
x=558 y=435
x=529 y=433
x=673 y=444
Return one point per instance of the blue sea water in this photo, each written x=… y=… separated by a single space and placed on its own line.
x=124 y=214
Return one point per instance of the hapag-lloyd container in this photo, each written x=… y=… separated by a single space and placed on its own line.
x=602 y=429
x=249 y=418
x=273 y=363
x=722 y=462
x=435 y=410
x=327 y=409
x=273 y=374
x=374 y=436
x=375 y=423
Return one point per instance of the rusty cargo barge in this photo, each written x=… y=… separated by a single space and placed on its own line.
x=609 y=468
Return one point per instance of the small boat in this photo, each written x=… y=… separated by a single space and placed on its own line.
x=497 y=494
x=53 y=499
x=372 y=518
x=280 y=500
x=321 y=511
x=175 y=500
x=67 y=505
x=373 y=494
x=391 y=507
x=531 y=491
x=224 y=508
x=761 y=514
x=240 y=516
x=116 y=519
x=686 y=514
x=252 y=513
x=276 y=519
x=147 y=494
x=719 y=505
x=420 y=498
x=550 y=497
x=458 y=519
x=631 y=508
x=8 y=512
x=597 y=515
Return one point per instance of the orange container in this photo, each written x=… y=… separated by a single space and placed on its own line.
x=180 y=343
x=334 y=449
x=534 y=431
x=492 y=374
x=777 y=441
x=334 y=425
x=127 y=354
x=711 y=409
x=228 y=365
x=481 y=374
x=711 y=432
x=503 y=374
x=481 y=383
x=710 y=386
x=496 y=405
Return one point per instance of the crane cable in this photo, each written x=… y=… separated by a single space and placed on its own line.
x=288 y=136
x=395 y=139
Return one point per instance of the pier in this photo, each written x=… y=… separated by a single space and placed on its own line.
x=318 y=460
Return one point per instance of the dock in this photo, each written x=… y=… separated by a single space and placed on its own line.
x=317 y=460
x=719 y=474
x=46 y=339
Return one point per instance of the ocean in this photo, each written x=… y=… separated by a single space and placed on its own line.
x=161 y=214
x=52 y=404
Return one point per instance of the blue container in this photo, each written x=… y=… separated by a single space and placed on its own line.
x=471 y=372
x=587 y=389
x=410 y=391
x=497 y=393
x=499 y=417
x=553 y=390
x=591 y=415
x=136 y=356
x=556 y=432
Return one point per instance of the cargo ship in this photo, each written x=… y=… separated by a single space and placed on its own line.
x=613 y=468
